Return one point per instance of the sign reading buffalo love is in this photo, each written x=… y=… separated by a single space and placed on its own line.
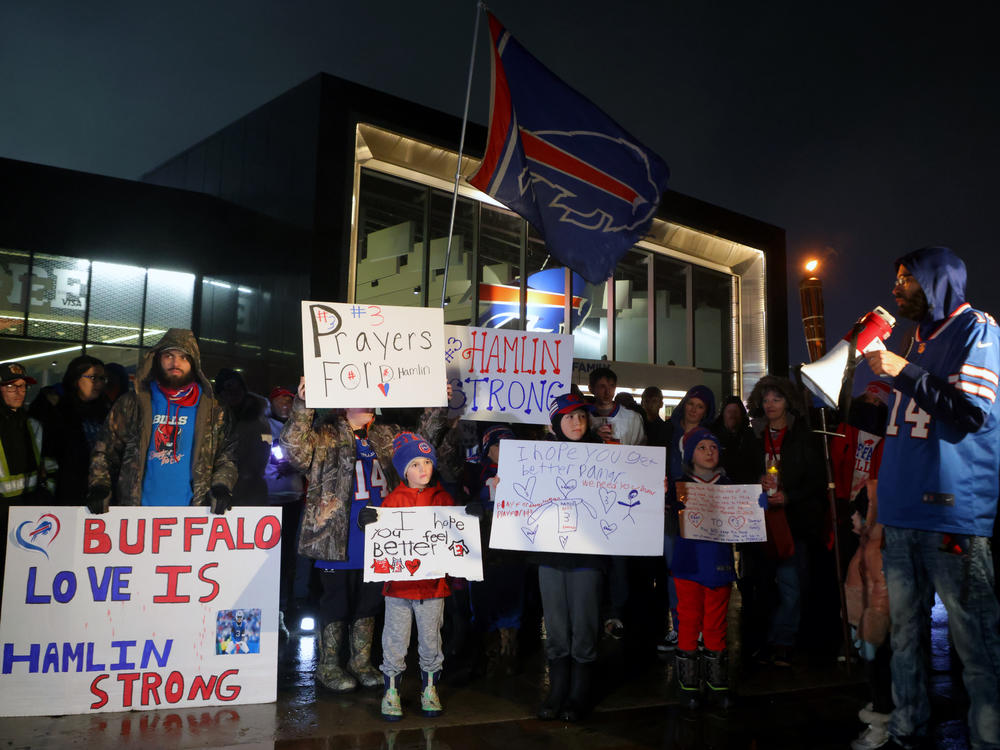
x=505 y=375
x=728 y=513
x=138 y=608
x=370 y=356
x=408 y=544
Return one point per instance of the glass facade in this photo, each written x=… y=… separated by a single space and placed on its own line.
x=501 y=276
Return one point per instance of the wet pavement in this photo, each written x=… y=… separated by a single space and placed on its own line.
x=778 y=708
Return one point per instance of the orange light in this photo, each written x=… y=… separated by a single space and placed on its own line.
x=812 y=265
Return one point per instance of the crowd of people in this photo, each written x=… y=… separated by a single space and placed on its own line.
x=915 y=465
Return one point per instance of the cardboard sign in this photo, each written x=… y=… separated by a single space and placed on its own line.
x=138 y=608
x=372 y=356
x=728 y=513
x=412 y=544
x=506 y=376
x=579 y=498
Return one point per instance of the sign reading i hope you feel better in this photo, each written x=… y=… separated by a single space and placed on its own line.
x=370 y=355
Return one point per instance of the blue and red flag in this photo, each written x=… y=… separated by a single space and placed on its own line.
x=588 y=187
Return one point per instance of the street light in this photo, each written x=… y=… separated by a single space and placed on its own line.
x=813 y=321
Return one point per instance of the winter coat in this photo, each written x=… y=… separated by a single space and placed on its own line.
x=738 y=457
x=865 y=589
x=801 y=473
x=252 y=432
x=120 y=453
x=326 y=453
x=62 y=418
x=702 y=561
x=407 y=497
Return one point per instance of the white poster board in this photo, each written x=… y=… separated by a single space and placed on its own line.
x=579 y=498
x=138 y=608
x=372 y=356
x=728 y=513
x=501 y=375
x=412 y=544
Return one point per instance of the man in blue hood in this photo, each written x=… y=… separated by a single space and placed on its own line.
x=937 y=491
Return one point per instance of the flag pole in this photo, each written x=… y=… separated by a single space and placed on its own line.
x=461 y=147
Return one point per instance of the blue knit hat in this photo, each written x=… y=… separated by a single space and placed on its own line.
x=407 y=447
x=494 y=435
x=567 y=403
x=695 y=436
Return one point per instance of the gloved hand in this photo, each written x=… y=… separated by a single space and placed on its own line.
x=98 y=498
x=220 y=498
x=367 y=515
x=762 y=500
x=475 y=508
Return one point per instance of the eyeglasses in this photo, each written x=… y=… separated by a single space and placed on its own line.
x=95 y=378
x=14 y=387
x=903 y=280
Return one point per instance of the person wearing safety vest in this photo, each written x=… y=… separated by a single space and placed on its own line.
x=22 y=469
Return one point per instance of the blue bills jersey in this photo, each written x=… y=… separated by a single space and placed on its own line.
x=935 y=476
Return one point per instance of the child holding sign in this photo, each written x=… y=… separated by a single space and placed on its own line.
x=345 y=459
x=704 y=574
x=414 y=460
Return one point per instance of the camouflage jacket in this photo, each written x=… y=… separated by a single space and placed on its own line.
x=326 y=453
x=120 y=452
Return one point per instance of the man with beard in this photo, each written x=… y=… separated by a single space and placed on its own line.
x=937 y=492
x=168 y=442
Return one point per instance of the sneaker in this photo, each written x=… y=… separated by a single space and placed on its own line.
x=669 y=644
x=782 y=657
x=869 y=715
x=875 y=735
x=614 y=627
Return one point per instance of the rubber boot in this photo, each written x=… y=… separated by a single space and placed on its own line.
x=392 y=709
x=578 y=705
x=717 y=678
x=430 y=703
x=508 y=651
x=558 y=689
x=360 y=663
x=688 y=678
x=329 y=673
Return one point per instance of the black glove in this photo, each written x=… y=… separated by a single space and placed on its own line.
x=367 y=515
x=98 y=498
x=220 y=498
x=475 y=508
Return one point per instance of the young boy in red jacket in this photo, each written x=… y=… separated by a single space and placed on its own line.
x=414 y=460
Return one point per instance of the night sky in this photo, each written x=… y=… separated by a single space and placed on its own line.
x=864 y=129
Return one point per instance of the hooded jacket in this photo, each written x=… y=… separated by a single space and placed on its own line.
x=801 y=473
x=738 y=456
x=675 y=431
x=120 y=452
x=941 y=460
x=326 y=452
x=408 y=497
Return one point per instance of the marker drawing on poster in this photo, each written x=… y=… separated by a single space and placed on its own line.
x=506 y=375
x=579 y=498
x=728 y=513
x=138 y=608
x=370 y=355
x=412 y=544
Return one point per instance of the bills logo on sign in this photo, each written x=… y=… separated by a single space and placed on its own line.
x=37 y=536
x=588 y=186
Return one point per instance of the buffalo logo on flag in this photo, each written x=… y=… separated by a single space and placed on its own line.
x=588 y=187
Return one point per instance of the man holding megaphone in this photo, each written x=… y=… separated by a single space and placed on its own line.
x=937 y=490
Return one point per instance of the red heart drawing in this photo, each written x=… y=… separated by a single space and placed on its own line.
x=737 y=521
x=412 y=565
x=384 y=387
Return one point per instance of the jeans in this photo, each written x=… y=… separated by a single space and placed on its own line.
x=915 y=568
x=792 y=577
x=571 y=606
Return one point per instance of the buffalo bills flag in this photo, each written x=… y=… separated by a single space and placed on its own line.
x=588 y=187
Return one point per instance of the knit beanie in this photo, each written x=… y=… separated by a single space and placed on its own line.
x=494 y=435
x=407 y=447
x=695 y=436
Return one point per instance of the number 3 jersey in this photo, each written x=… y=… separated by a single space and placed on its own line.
x=936 y=475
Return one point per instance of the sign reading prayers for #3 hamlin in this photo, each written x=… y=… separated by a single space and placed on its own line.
x=587 y=498
x=138 y=608
x=371 y=356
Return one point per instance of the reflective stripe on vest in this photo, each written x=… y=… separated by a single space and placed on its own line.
x=15 y=484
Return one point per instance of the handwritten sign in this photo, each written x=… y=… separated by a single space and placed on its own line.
x=411 y=544
x=728 y=513
x=370 y=356
x=509 y=376
x=579 y=497
x=138 y=608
